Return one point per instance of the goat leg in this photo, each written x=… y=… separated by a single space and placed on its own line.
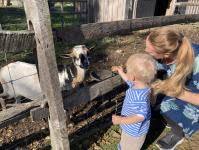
x=3 y=103
x=18 y=100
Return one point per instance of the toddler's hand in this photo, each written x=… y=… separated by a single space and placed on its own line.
x=117 y=69
x=115 y=119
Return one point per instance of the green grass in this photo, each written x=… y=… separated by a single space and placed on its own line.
x=13 y=18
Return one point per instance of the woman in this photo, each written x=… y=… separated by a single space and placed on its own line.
x=180 y=60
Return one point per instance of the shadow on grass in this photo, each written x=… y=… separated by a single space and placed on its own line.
x=88 y=134
x=84 y=136
x=156 y=128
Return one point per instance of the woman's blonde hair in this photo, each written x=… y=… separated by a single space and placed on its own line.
x=142 y=66
x=173 y=44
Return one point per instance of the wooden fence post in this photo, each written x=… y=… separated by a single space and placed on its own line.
x=38 y=18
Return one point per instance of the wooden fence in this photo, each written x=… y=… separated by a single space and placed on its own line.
x=106 y=10
x=114 y=10
x=183 y=7
x=78 y=12
x=194 y=8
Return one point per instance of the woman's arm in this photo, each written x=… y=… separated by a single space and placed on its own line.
x=190 y=97
x=127 y=120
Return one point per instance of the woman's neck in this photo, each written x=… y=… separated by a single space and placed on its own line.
x=169 y=60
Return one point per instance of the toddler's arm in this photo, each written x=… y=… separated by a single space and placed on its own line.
x=127 y=120
x=120 y=71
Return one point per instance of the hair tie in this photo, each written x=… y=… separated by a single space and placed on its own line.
x=181 y=38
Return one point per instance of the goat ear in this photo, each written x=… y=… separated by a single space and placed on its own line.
x=66 y=55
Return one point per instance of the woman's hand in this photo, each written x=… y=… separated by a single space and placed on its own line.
x=190 y=97
x=116 y=119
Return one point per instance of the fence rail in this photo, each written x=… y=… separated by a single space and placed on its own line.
x=13 y=41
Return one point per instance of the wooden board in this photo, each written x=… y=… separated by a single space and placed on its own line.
x=187 y=4
x=87 y=94
x=16 y=41
x=14 y=114
x=82 y=96
x=38 y=16
x=99 y=30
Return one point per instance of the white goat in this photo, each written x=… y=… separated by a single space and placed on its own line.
x=21 y=79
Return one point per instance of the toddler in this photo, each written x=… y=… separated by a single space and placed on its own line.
x=135 y=115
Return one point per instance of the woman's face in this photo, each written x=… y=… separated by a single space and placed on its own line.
x=150 y=49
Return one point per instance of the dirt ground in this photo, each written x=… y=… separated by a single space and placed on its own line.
x=91 y=127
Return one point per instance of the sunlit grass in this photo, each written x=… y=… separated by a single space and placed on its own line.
x=13 y=18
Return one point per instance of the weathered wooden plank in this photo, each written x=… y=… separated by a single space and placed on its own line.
x=87 y=94
x=99 y=30
x=187 y=4
x=16 y=41
x=135 y=8
x=84 y=95
x=70 y=101
x=172 y=8
x=38 y=16
x=39 y=113
x=77 y=34
x=145 y=8
x=69 y=0
x=14 y=114
x=14 y=119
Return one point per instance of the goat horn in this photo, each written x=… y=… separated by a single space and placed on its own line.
x=68 y=54
x=62 y=56
x=92 y=47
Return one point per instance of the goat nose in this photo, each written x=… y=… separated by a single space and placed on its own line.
x=88 y=61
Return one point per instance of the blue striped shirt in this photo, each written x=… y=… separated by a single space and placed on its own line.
x=136 y=102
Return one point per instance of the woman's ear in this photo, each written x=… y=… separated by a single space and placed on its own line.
x=132 y=77
x=166 y=56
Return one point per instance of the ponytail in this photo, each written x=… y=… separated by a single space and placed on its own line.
x=174 y=85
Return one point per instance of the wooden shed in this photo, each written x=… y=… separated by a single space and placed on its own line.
x=112 y=10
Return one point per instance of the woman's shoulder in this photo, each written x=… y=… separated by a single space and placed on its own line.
x=196 y=62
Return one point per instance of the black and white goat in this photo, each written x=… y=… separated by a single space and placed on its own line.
x=21 y=79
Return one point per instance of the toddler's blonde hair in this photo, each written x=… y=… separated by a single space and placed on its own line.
x=142 y=66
